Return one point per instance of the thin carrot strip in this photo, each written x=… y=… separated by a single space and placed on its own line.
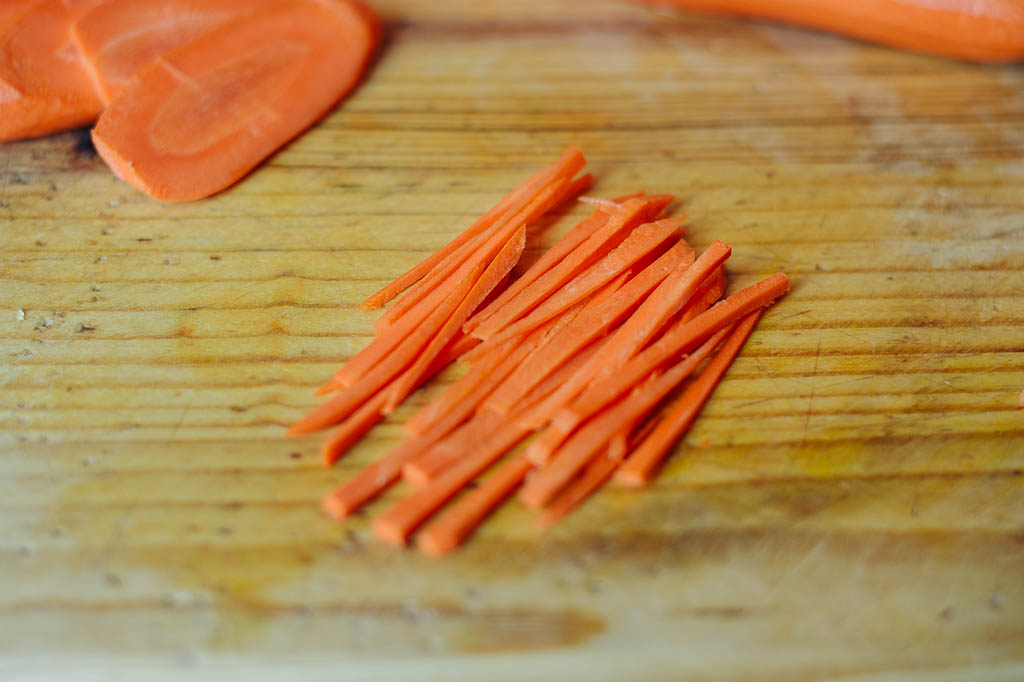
x=502 y=264
x=413 y=323
x=633 y=212
x=639 y=469
x=593 y=477
x=569 y=164
x=681 y=258
x=585 y=443
x=348 y=433
x=640 y=242
x=678 y=339
x=583 y=331
x=450 y=529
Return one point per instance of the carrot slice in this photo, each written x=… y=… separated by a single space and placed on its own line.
x=44 y=86
x=570 y=163
x=640 y=242
x=120 y=37
x=590 y=325
x=633 y=212
x=498 y=268
x=678 y=339
x=450 y=529
x=348 y=433
x=639 y=469
x=585 y=443
x=202 y=116
x=592 y=478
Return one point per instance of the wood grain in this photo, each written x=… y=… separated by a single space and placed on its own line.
x=850 y=505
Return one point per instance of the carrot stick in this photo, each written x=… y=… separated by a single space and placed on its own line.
x=593 y=477
x=633 y=212
x=639 y=469
x=640 y=242
x=676 y=340
x=570 y=163
x=581 y=447
x=348 y=433
x=449 y=530
x=414 y=321
x=498 y=268
x=584 y=330
x=205 y=114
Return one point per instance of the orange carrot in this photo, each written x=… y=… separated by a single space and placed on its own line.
x=981 y=30
x=44 y=87
x=570 y=163
x=678 y=339
x=584 y=330
x=348 y=433
x=414 y=322
x=642 y=241
x=450 y=529
x=203 y=115
x=592 y=478
x=633 y=212
x=641 y=465
x=120 y=37
x=496 y=271
x=592 y=437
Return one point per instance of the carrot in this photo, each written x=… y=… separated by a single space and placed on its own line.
x=348 y=433
x=981 y=30
x=450 y=529
x=590 y=325
x=576 y=236
x=120 y=37
x=570 y=163
x=444 y=269
x=581 y=447
x=633 y=212
x=639 y=243
x=414 y=322
x=641 y=465
x=678 y=339
x=592 y=478
x=498 y=268
x=203 y=115
x=44 y=87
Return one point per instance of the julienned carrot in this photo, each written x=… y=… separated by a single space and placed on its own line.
x=595 y=434
x=347 y=433
x=397 y=523
x=444 y=269
x=44 y=87
x=570 y=163
x=981 y=30
x=677 y=340
x=450 y=529
x=640 y=467
x=621 y=345
x=590 y=325
x=431 y=464
x=633 y=212
x=496 y=271
x=593 y=477
x=120 y=37
x=548 y=260
x=414 y=321
x=202 y=116
x=404 y=355
x=639 y=243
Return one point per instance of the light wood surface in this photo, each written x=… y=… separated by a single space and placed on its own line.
x=849 y=506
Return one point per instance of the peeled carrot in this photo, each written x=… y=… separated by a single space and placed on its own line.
x=450 y=529
x=348 y=433
x=592 y=478
x=203 y=115
x=980 y=30
x=584 y=330
x=633 y=213
x=570 y=163
x=44 y=86
x=641 y=465
x=642 y=241
x=120 y=37
x=597 y=432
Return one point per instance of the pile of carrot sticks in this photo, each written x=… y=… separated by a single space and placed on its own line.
x=601 y=353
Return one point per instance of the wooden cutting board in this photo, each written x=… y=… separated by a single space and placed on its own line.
x=849 y=506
